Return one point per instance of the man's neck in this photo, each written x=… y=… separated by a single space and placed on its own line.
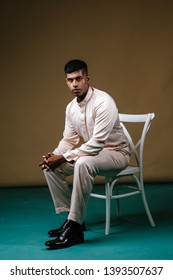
x=82 y=97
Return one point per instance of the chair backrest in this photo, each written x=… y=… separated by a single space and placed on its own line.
x=137 y=148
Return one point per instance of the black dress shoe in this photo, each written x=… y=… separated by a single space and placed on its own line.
x=72 y=235
x=57 y=232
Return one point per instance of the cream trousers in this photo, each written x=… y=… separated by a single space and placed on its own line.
x=83 y=170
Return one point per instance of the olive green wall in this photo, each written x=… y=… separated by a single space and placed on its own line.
x=128 y=46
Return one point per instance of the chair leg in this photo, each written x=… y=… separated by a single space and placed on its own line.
x=108 y=208
x=117 y=203
x=147 y=209
x=141 y=187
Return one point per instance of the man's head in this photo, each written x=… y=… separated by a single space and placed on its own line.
x=77 y=78
x=75 y=65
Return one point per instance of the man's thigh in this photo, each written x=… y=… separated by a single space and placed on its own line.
x=106 y=160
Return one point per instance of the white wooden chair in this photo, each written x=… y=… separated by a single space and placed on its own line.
x=134 y=171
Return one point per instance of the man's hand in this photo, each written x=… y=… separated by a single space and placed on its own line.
x=51 y=161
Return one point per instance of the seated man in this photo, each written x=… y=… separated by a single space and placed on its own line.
x=93 y=116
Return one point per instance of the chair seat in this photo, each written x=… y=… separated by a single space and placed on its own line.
x=130 y=170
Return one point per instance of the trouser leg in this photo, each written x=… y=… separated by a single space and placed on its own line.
x=59 y=188
x=86 y=168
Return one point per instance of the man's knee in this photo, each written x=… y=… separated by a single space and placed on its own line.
x=85 y=160
x=85 y=164
x=81 y=162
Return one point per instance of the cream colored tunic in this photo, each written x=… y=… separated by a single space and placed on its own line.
x=96 y=121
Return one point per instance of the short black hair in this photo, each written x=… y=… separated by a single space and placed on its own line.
x=75 y=65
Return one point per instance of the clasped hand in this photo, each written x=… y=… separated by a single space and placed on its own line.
x=51 y=161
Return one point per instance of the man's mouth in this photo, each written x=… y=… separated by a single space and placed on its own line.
x=76 y=90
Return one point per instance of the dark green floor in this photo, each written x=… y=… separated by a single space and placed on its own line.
x=26 y=214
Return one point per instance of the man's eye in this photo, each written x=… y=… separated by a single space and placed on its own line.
x=78 y=79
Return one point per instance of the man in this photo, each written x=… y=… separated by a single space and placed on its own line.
x=93 y=116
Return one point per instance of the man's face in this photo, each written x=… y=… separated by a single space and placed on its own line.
x=78 y=83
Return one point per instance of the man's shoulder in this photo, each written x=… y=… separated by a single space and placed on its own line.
x=99 y=91
x=101 y=94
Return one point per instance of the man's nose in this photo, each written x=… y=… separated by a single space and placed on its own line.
x=75 y=83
